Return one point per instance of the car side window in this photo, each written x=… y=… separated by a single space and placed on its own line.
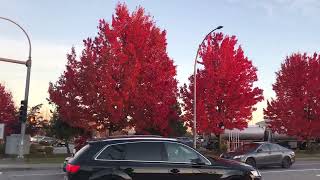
x=179 y=153
x=265 y=148
x=281 y=148
x=144 y=151
x=275 y=147
x=113 y=152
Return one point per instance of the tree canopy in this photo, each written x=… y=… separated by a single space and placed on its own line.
x=296 y=108
x=123 y=77
x=225 y=87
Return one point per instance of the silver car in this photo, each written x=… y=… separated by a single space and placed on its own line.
x=262 y=154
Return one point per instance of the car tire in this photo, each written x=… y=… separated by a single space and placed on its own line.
x=251 y=162
x=286 y=163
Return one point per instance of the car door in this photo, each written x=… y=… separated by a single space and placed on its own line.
x=131 y=160
x=107 y=162
x=263 y=155
x=184 y=163
x=145 y=161
x=276 y=154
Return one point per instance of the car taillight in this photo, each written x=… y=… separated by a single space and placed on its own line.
x=72 y=168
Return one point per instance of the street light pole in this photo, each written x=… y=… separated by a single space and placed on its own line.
x=195 y=89
x=26 y=94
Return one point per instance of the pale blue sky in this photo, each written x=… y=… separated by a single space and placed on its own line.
x=267 y=30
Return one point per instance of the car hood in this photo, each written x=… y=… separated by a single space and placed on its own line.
x=230 y=155
x=215 y=161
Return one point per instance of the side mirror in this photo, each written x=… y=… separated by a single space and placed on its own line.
x=197 y=161
x=259 y=150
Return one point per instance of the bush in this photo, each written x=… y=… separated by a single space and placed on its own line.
x=40 y=149
x=2 y=148
x=313 y=148
x=48 y=149
x=35 y=148
x=224 y=148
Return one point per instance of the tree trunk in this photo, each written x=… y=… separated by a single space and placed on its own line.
x=67 y=146
x=219 y=142
x=206 y=138
x=308 y=145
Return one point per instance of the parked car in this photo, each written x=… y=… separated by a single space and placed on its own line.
x=144 y=158
x=186 y=140
x=263 y=154
x=36 y=139
x=43 y=140
x=48 y=141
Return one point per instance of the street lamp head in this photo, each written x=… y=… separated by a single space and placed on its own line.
x=219 y=27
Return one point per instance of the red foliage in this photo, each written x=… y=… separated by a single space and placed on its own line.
x=225 y=92
x=7 y=111
x=296 y=108
x=123 y=77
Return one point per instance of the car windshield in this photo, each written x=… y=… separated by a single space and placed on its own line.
x=247 y=147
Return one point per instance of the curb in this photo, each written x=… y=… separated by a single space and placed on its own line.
x=12 y=167
x=308 y=159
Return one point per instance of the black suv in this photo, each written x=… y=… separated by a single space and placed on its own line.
x=151 y=158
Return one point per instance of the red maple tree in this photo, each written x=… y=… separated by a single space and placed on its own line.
x=7 y=111
x=296 y=109
x=225 y=92
x=123 y=77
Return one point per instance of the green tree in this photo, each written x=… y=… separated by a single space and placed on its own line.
x=34 y=120
x=178 y=128
x=61 y=130
x=176 y=123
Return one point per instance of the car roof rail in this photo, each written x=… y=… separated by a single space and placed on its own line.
x=122 y=137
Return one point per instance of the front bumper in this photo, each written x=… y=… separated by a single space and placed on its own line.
x=256 y=178
x=293 y=159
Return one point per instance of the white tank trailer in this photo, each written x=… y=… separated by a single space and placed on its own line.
x=255 y=133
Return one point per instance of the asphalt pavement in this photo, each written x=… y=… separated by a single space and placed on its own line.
x=301 y=170
x=52 y=174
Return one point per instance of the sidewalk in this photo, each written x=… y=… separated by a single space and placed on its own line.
x=13 y=164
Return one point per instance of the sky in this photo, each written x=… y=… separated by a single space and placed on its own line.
x=267 y=30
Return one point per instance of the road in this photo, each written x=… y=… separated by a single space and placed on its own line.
x=55 y=174
x=302 y=170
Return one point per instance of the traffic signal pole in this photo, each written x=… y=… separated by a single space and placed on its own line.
x=26 y=94
x=26 y=97
x=23 y=116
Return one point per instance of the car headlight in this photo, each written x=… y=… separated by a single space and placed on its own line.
x=238 y=157
x=255 y=173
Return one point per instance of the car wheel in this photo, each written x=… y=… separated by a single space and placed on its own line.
x=286 y=162
x=251 y=162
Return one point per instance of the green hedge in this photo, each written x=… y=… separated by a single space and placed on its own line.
x=2 y=148
x=40 y=149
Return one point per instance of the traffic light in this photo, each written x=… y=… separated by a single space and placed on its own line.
x=23 y=111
